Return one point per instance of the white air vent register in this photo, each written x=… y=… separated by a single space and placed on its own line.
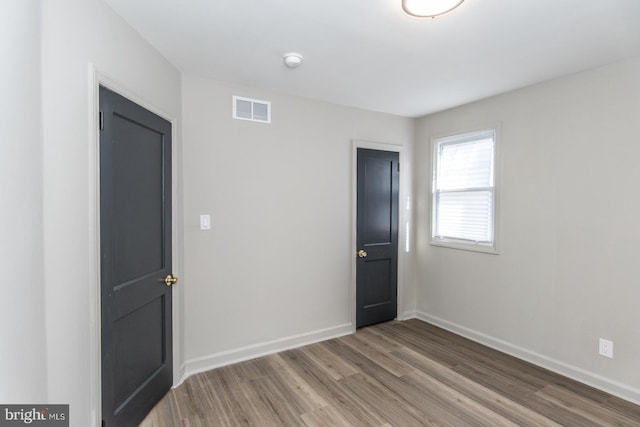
x=254 y=110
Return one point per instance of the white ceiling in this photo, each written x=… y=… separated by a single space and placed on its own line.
x=369 y=54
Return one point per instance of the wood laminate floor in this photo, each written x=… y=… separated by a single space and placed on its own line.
x=393 y=374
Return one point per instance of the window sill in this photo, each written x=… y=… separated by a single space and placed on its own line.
x=472 y=247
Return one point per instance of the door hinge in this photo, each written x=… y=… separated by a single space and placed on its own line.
x=101 y=120
x=398 y=167
x=104 y=424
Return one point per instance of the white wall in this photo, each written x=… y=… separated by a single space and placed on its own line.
x=568 y=270
x=76 y=33
x=277 y=263
x=23 y=354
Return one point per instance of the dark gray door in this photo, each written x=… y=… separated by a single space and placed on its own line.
x=377 y=237
x=135 y=240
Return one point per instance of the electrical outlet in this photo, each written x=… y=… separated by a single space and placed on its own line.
x=606 y=348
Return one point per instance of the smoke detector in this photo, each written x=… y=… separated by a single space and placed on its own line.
x=292 y=60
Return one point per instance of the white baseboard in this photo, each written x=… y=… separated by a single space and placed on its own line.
x=182 y=375
x=615 y=388
x=410 y=314
x=216 y=360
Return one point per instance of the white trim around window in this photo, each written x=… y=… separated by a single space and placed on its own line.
x=464 y=190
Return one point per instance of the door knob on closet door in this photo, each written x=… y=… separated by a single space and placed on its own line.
x=170 y=280
x=362 y=253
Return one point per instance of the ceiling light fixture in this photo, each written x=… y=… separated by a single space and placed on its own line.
x=292 y=60
x=429 y=8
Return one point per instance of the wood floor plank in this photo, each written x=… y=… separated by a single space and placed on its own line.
x=388 y=406
x=167 y=410
x=194 y=422
x=151 y=420
x=409 y=338
x=350 y=406
x=217 y=402
x=379 y=341
x=231 y=400
x=522 y=394
x=335 y=366
x=458 y=351
x=534 y=375
x=273 y=382
x=298 y=386
x=499 y=372
x=392 y=374
x=428 y=404
x=467 y=408
x=259 y=412
x=620 y=405
x=283 y=410
x=395 y=366
x=496 y=402
x=585 y=407
x=192 y=400
x=325 y=416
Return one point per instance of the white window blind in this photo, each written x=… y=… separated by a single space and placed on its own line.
x=464 y=189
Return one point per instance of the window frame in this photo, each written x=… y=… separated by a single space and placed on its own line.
x=453 y=243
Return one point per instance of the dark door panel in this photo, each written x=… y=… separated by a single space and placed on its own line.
x=377 y=236
x=135 y=233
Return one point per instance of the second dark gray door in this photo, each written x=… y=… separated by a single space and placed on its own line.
x=135 y=239
x=377 y=237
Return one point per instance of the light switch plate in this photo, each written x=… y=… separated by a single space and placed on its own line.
x=205 y=222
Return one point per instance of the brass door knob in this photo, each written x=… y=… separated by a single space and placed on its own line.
x=362 y=253
x=170 y=280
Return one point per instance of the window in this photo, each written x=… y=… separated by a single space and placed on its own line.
x=464 y=191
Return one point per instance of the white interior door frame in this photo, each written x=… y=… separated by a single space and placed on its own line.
x=403 y=218
x=97 y=79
